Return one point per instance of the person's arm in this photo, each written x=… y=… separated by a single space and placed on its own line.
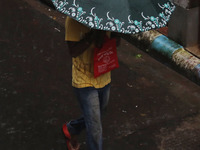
x=77 y=48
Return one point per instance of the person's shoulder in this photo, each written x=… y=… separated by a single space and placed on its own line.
x=74 y=30
x=72 y=22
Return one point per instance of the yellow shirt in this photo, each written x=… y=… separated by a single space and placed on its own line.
x=82 y=65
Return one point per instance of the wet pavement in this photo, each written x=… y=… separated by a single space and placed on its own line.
x=152 y=107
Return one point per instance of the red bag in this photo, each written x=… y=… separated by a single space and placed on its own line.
x=105 y=59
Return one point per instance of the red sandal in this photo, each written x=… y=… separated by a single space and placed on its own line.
x=68 y=137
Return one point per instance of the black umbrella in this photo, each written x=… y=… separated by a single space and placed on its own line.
x=124 y=16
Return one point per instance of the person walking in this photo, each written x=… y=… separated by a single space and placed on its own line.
x=92 y=93
x=101 y=18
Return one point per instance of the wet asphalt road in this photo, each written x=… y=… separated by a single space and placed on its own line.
x=151 y=106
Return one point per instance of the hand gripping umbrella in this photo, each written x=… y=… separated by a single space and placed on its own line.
x=123 y=16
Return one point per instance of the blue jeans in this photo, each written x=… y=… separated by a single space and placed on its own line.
x=92 y=101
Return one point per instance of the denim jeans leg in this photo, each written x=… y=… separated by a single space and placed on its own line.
x=89 y=101
x=76 y=126
x=104 y=95
x=92 y=102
